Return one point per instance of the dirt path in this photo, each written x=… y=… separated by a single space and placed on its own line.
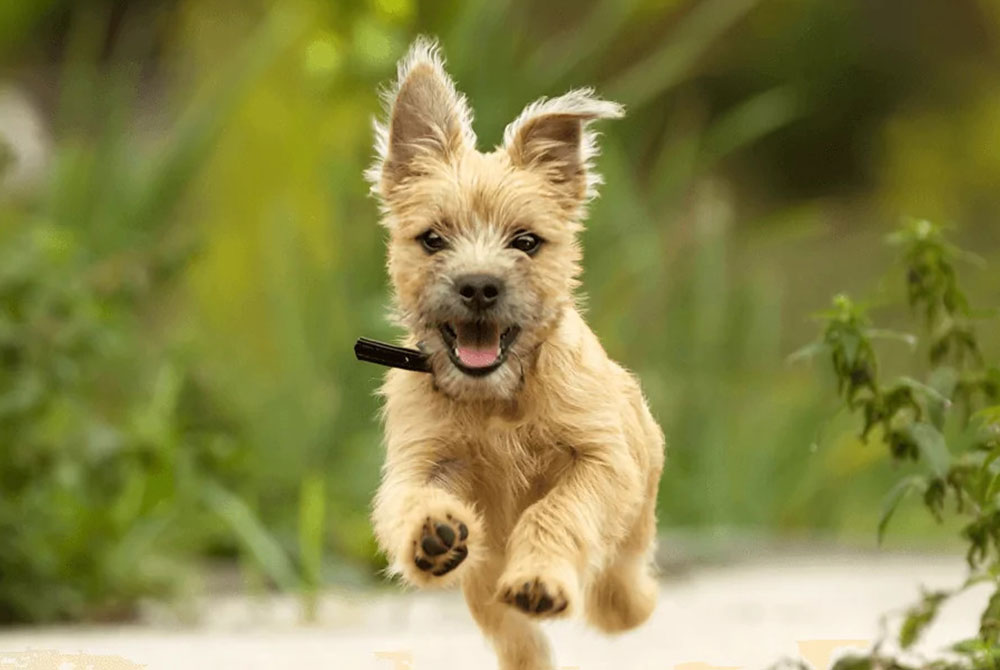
x=747 y=616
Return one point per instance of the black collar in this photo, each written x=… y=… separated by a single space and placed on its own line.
x=391 y=356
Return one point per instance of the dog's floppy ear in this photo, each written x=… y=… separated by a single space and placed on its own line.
x=428 y=120
x=554 y=136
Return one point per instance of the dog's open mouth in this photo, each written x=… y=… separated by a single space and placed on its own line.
x=478 y=348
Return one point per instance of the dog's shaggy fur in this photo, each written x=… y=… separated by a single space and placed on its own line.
x=526 y=470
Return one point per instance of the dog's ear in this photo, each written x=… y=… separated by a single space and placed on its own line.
x=554 y=137
x=428 y=120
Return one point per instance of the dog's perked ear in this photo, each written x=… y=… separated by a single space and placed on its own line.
x=428 y=120
x=554 y=137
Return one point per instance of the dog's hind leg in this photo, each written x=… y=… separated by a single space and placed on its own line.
x=624 y=594
x=518 y=641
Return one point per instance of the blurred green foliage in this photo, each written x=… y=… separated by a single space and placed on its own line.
x=182 y=285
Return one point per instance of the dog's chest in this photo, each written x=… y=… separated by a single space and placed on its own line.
x=509 y=470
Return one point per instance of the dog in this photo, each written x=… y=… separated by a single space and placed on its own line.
x=525 y=467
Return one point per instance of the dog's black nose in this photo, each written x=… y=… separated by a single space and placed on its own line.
x=479 y=292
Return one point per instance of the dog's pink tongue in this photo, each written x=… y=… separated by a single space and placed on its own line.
x=478 y=344
x=477 y=358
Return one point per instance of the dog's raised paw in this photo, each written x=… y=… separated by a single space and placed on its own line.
x=536 y=597
x=441 y=545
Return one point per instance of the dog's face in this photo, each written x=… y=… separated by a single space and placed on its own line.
x=483 y=252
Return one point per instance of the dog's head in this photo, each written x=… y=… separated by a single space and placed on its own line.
x=483 y=251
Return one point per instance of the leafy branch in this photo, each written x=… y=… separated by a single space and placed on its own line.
x=949 y=423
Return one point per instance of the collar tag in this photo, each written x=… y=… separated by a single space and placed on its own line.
x=389 y=355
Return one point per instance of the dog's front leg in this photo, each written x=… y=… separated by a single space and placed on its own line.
x=422 y=521
x=568 y=535
x=518 y=641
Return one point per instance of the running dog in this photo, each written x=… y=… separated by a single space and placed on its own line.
x=525 y=467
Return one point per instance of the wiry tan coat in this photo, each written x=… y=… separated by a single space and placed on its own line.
x=534 y=486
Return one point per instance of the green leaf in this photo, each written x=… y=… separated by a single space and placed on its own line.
x=920 y=616
x=968 y=256
x=914 y=230
x=932 y=447
x=751 y=120
x=853 y=662
x=851 y=342
x=671 y=63
x=928 y=391
x=943 y=379
x=252 y=534
x=312 y=515
x=984 y=313
x=605 y=22
x=895 y=496
x=883 y=334
x=811 y=350
x=989 y=621
x=989 y=415
x=968 y=647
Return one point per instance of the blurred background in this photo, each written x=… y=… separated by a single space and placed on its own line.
x=188 y=251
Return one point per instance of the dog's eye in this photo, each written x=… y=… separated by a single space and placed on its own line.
x=526 y=242
x=432 y=242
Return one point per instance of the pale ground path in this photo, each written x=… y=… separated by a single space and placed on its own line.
x=747 y=615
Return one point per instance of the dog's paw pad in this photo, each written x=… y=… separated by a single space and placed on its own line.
x=536 y=597
x=441 y=546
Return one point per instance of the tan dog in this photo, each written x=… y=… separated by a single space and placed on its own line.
x=526 y=465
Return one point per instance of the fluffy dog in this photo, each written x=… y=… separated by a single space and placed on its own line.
x=525 y=467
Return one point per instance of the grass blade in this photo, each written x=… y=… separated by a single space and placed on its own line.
x=252 y=535
x=671 y=64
